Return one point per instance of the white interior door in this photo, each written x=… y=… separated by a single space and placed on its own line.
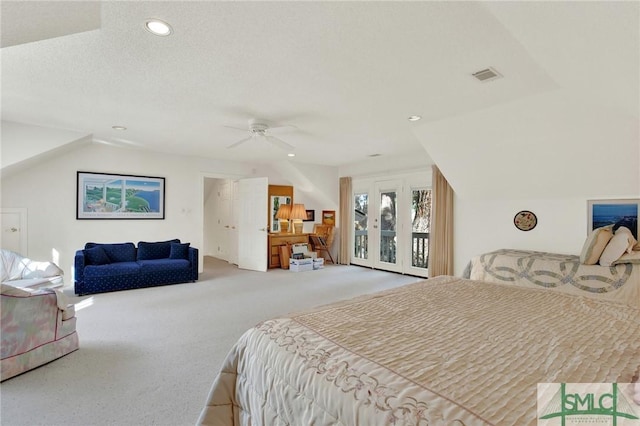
x=14 y=230
x=252 y=229
x=235 y=211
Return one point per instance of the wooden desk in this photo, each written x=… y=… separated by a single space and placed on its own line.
x=278 y=239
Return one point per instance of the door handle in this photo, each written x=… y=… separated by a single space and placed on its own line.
x=375 y=226
x=13 y=229
x=226 y=226
x=263 y=229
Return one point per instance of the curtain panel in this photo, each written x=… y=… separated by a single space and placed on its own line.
x=346 y=224
x=441 y=238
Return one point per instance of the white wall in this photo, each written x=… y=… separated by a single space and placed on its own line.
x=315 y=186
x=486 y=225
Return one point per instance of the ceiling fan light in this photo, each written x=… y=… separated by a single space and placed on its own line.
x=158 y=27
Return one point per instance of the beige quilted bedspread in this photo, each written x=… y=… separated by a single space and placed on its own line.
x=445 y=351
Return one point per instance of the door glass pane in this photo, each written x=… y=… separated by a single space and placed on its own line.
x=361 y=242
x=420 y=224
x=388 y=214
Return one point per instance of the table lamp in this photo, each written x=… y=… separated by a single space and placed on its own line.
x=283 y=214
x=298 y=214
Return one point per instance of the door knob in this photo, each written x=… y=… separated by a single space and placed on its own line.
x=263 y=229
x=14 y=229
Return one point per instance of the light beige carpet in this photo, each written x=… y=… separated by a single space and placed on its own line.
x=149 y=356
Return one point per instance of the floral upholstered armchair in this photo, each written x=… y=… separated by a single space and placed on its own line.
x=38 y=326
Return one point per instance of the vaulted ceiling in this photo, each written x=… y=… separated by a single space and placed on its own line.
x=344 y=77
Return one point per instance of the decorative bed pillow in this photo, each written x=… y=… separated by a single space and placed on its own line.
x=96 y=256
x=616 y=247
x=595 y=245
x=633 y=257
x=179 y=251
x=629 y=234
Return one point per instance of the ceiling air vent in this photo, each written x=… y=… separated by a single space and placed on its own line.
x=487 y=74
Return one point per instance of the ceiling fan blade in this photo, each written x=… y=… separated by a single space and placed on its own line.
x=233 y=145
x=236 y=128
x=280 y=143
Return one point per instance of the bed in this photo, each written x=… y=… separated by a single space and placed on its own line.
x=447 y=350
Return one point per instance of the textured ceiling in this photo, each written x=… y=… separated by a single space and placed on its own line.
x=345 y=74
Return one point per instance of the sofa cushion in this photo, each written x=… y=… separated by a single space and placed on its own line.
x=111 y=270
x=179 y=251
x=155 y=250
x=164 y=271
x=121 y=252
x=96 y=256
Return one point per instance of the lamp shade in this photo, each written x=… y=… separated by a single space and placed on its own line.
x=284 y=212
x=298 y=212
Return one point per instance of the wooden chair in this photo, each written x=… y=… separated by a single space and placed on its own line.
x=321 y=240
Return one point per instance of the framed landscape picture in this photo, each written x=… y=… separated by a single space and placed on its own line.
x=622 y=212
x=329 y=217
x=113 y=196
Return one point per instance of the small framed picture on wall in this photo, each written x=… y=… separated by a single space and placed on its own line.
x=311 y=216
x=329 y=217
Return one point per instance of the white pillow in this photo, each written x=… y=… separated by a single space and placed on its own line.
x=595 y=245
x=617 y=247
x=632 y=241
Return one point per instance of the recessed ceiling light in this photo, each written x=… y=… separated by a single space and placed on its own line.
x=118 y=128
x=291 y=154
x=158 y=27
x=414 y=118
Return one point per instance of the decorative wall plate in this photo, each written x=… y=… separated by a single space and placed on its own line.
x=525 y=220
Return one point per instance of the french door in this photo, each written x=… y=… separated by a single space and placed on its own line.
x=391 y=225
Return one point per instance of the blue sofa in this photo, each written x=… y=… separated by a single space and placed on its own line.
x=110 y=267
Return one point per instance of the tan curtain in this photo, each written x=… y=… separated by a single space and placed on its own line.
x=346 y=208
x=441 y=238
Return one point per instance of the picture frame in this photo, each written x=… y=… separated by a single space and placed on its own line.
x=311 y=216
x=329 y=217
x=118 y=196
x=623 y=212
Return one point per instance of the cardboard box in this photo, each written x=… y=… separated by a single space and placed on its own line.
x=318 y=263
x=303 y=248
x=301 y=265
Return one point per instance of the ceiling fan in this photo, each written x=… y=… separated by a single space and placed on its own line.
x=259 y=129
